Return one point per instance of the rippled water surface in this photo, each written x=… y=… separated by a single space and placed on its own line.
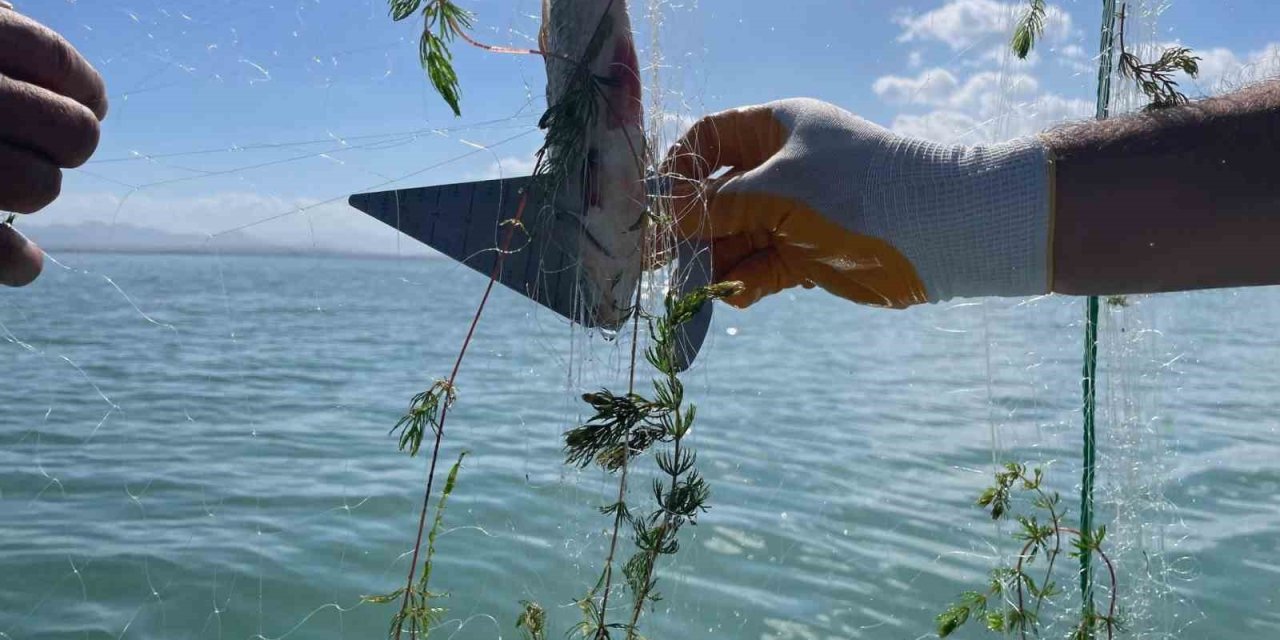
x=197 y=447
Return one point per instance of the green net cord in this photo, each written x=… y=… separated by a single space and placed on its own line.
x=1089 y=382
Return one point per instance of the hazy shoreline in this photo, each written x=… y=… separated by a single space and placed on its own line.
x=126 y=239
x=56 y=250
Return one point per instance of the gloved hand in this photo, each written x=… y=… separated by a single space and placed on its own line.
x=817 y=196
x=51 y=100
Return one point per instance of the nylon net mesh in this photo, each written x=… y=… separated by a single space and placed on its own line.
x=193 y=433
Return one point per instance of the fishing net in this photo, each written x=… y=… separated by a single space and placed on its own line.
x=195 y=422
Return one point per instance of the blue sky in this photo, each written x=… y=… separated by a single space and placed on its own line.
x=246 y=82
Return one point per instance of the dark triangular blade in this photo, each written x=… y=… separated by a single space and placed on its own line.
x=469 y=221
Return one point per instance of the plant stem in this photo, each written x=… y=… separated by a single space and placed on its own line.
x=1111 y=570
x=1059 y=531
x=1053 y=557
x=501 y=49
x=652 y=557
x=1111 y=607
x=1056 y=519
x=444 y=411
x=626 y=457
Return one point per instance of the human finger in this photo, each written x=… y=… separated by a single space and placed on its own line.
x=740 y=138
x=730 y=207
x=28 y=181
x=689 y=201
x=726 y=253
x=730 y=251
x=20 y=259
x=61 y=129
x=763 y=273
x=34 y=53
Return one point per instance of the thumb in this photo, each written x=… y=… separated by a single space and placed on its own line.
x=763 y=273
x=695 y=205
x=738 y=139
x=738 y=202
x=20 y=259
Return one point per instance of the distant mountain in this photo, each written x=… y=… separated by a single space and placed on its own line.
x=100 y=236
x=125 y=238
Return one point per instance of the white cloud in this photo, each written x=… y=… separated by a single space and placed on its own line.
x=1073 y=58
x=984 y=93
x=981 y=92
x=987 y=89
x=996 y=55
x=961 y=24
x=1222 y=69
x=1216 y=64
x=990 y=121
x=940 y=126
x=928 y=87
x=986 y=105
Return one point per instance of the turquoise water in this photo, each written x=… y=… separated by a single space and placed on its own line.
x=196 y=447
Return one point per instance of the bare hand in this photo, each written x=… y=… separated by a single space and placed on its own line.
x=51 y=101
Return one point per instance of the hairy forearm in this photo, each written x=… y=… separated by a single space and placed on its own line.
x=1181 y=198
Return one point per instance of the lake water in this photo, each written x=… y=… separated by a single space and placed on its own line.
x=197 y=447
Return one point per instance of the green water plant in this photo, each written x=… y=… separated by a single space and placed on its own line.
x=1028 y=29
x=562 y=154
x=532 y=622
x=1015 y=596
x=419 y=610
x=563 y=151
x=623 y=427
x=1156 y=79
x=423 y=415
x=442 y=22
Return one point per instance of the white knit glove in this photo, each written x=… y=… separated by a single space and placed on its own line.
x=818 y=196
